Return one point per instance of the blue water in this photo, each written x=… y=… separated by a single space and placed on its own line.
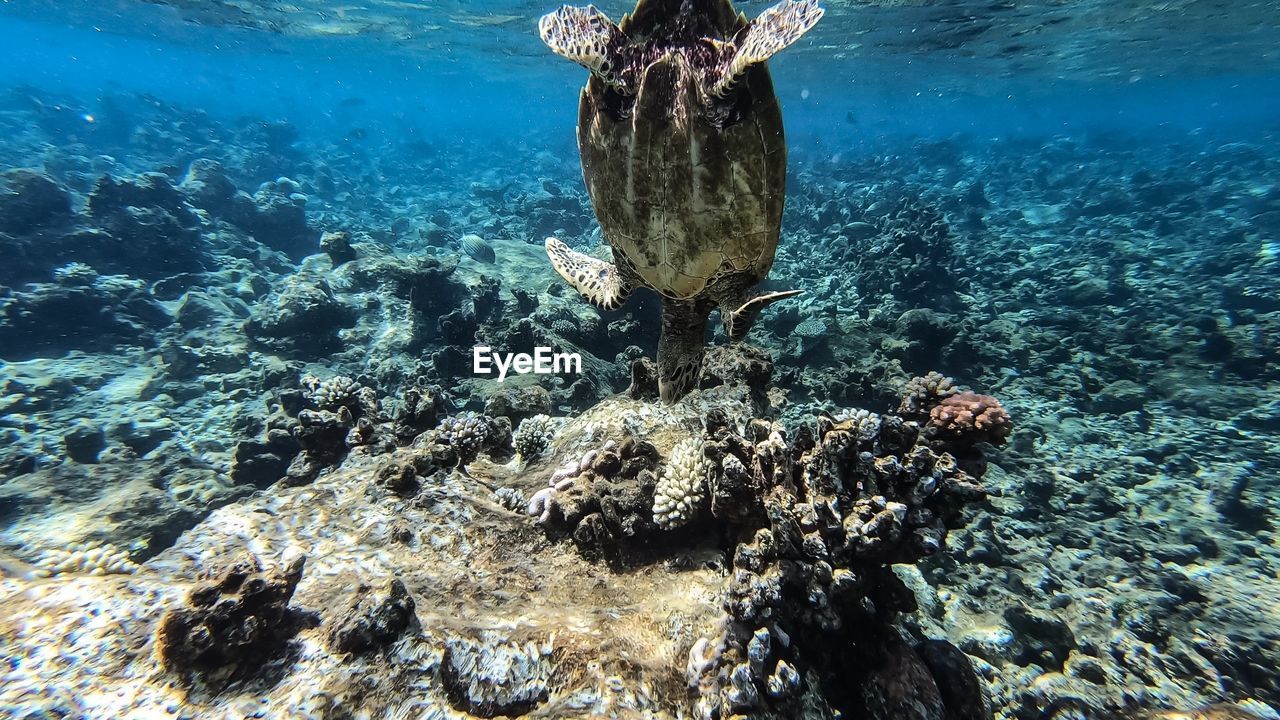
x=882 y=93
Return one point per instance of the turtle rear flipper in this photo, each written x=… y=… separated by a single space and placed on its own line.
x=680 y=348
x=772 y=32
x=597 y=280
x=738 y=322
x=587 y=37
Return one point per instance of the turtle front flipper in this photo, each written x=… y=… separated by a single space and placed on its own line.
x=738 y=322
x=680 y=348
x=772 y=32
x=587 y=37
x=597 y=280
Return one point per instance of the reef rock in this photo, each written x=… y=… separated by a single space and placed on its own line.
x=300 y=317
x=233 y=623
x=30 y=199
x=80 y=313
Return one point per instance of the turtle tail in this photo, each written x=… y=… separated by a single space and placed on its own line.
x=738 y=322
x=771 y=32
x=587 y=37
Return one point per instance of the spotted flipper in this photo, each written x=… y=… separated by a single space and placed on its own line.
x=738 y=322
x=597 y=280
x=770 y=33
x=680 y=348
x=587 y=37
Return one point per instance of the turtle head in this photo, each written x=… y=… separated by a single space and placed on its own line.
x=681 y=21
x=619 y=54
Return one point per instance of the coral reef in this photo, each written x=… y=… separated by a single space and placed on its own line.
x=301 y=317
x=233 y=623
x=98 y=315
x=29 y=199
x=813 y=590
x=967 y=414
x=469 y=433
x=85 y=558
x=178 y=336
x=490 y=677
x=920 y=394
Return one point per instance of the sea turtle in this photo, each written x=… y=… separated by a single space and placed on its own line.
x=680 y=137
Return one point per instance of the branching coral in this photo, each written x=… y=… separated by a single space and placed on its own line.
x=682 y=488
x=850 y=504
x=920 y=394
x=467 y=434
x=821 y=518
x=340 y=391
x=534 y=436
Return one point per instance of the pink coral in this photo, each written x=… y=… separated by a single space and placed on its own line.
x=979 y=418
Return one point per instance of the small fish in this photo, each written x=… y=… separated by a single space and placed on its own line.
x=478 y=249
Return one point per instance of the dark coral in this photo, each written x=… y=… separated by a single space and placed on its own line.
x=301 y=317
x=47 y=319
x=442 y=306
x=83 y=442
x=832 y=513
x=518 y=403
x=607 y=508
x=337 y=245
x=420 y=408
x=322 y=435
x=232 y=624
x=644 y=380
x=207 y=187
x=30 y=199
x=815 y=523
x=373 y=621
x=736 y=363
x=261 y=463
x=152 y=231
x=279 y=219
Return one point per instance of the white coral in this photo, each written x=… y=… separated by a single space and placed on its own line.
x=335 y=392
x=683 y=485
x=534 y=436
x=865 y=424
x=86 y=558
